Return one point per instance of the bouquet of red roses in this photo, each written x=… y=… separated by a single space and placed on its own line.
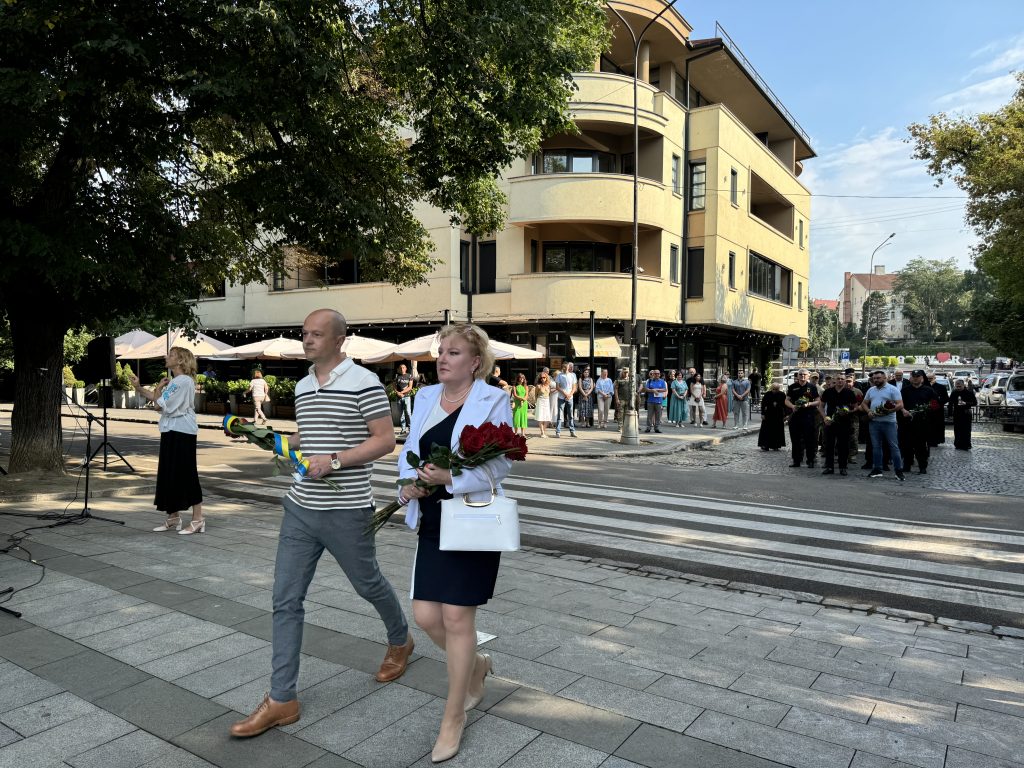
x=889 y=406
x=477 y=445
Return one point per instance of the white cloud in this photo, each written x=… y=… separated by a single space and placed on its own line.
x=986 y=96
x=1003 y=55
x=845 y=230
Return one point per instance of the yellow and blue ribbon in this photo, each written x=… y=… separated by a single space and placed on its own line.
x=281 y=448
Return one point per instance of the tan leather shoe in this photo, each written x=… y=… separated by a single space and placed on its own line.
x=268 y=714
x=395 y=661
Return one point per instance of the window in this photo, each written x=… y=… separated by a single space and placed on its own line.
x=732 y=270
x=675 y=175
x=673 y=264
x=801 y=232
x=487 y=272
x=695 y=273
x=734 y=187
x=219 y=291
x=535 y=265
x=626 y=258
x=342 y=272
x=579 y=257
x=768 y=279
x=464 y=267
x=627 y=164
x=278 y=281
x=698 y=186
x=577 y=161
x=799 y=295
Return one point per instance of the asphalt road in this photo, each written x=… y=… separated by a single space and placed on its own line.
x=625 y=510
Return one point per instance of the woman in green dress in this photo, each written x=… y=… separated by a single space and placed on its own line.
x=678 y=408
x=520 y=405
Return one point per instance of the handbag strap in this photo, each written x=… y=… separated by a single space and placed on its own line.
x=494 y=490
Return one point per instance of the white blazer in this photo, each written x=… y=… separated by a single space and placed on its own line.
x=483 y=403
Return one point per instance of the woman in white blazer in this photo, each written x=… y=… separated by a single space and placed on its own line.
x=448 y=586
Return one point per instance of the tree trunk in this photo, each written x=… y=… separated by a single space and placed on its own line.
x=36 y=440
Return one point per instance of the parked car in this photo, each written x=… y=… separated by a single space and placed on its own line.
x=969 y=377
x=1011 y=415
x=993 y=389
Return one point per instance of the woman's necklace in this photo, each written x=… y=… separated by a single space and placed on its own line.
x=445 y=397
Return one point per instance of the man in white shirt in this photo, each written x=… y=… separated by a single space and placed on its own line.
x=566 y=384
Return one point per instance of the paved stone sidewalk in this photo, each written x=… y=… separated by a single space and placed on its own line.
x=140 y=649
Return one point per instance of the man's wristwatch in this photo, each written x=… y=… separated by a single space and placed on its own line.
x=335 y=461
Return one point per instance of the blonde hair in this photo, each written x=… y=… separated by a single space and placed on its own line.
x=184 y=359
x=479 y=343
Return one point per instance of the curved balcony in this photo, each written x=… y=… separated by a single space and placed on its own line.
x=595 y=197
x=573 y=294
x=607 y=98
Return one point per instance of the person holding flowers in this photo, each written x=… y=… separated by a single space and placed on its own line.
x=836 y=407
x=802 y=399
x=881 y=402
x=177 y=477
x=448 y=586
x=344 y=420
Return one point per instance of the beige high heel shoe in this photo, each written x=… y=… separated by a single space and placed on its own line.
x=196 y=526
x=488 y=665
x=440 y=754
x=172 y=523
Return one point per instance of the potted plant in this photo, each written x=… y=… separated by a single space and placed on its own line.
x=268 y=404
x=396 y=406
x=200 y=397
x=236 y=398
x=69 y=382
x=216 y=396
x=283 y=394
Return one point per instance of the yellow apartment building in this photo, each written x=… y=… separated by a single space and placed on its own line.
x=724 y=221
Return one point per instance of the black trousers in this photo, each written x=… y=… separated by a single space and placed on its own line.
x=837 y=441
x=803 y=436
x=913 y=440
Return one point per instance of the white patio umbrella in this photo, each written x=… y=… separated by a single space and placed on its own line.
x=362 y=347
x=201 y=346
x=126 y=342
x=426 y=348
x=278 y=348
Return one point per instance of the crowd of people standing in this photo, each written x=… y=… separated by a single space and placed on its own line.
x=898 y=420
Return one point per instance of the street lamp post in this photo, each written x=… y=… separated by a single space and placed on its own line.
x=867 y=320
x=630 y=434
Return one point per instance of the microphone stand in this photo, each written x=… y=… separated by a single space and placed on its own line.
x=106 y=444
x=85 y=514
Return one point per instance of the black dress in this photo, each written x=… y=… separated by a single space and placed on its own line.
x=455 y=578
x=773 y=412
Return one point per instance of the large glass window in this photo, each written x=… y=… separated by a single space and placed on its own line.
x=577 y=161
x=579 y=257
x=698 y=185
x=673 y=263
x=695 y=273
x=627 y=164
x=342 y=272
x=769 y=280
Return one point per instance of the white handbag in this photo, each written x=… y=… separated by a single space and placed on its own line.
x=480 y=526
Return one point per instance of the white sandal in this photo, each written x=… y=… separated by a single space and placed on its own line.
x=196 y=526
x=172 y=523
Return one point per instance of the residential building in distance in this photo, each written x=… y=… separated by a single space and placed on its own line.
x=856 y=288
x=724 y=224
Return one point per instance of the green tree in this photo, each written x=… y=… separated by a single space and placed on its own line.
x=152 y=150
x=984 y=155
x=821 y=330
x=930 y=293
x=874 y=315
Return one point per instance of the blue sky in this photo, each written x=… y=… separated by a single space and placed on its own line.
x=855 y=75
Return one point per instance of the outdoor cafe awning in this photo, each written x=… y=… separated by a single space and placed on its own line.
x=604 y=346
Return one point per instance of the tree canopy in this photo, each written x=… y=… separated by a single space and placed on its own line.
x=930 y=293
x=151 y=150
x=984 y=155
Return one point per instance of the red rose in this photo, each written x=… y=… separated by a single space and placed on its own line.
x=471 y=440
x=518 y=452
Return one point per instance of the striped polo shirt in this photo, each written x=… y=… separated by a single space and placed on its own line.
x=332 y=417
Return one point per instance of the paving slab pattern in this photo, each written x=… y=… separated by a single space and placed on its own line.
x=143 y=653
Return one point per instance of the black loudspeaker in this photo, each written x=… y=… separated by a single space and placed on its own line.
x=99 y=359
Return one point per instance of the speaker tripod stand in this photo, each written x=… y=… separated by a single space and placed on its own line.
x=106 y=444
x=86 y=513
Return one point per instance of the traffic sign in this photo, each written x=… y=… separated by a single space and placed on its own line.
x=791 y=343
